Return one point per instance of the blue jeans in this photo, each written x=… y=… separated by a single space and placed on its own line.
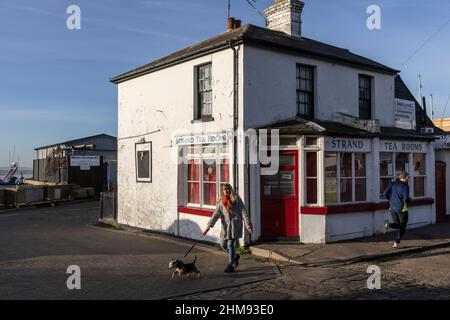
x=229 y=247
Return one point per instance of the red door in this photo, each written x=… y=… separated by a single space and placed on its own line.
x=441 y=210
x=279 y=194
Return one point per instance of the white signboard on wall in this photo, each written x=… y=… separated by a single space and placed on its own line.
x=347 y=145
x=85 y=161
x=443 y=142
x=403 y=146
x=405 y=114
x=203 y=139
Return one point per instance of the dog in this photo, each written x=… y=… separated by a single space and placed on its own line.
x=182 y=268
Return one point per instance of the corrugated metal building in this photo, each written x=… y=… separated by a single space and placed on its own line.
x=90 y=159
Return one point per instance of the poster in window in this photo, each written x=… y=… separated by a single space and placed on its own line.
x=144 y=162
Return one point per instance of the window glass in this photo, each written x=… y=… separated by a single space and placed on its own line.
x=346 y=186
x=143 y=158
x=305 y=90
x=360 y=164
x=287 y=160
x=365 y=93
x=311 y=193
x=288 y=141
x=331 y=191
x=419 y=164
x=360 y=190
x=386 y=165
x=205 y=95
x=330 y=164
x=346 y=164
x=271 y=185
x=206 y=171
x=287 y=181
x=401 y=162
x=419 y=186
x=311 y=177
x=311 y=164
x=311 y=141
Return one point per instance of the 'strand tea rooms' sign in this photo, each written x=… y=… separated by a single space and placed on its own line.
x=347 y=145
x=403 y=146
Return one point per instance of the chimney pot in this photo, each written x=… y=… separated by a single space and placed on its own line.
x=237 y=24
x=231 y=23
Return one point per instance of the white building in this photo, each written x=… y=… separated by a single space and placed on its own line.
x=347 y=126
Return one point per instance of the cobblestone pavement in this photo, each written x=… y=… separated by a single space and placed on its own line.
x=419 y=276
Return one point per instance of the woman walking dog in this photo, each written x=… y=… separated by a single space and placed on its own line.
x=231 y=210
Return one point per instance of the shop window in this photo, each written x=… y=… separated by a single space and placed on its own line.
x=305 y=91
x=311 y=177
x=360 y=177
x=331 y=177
x=345 y=177
x=391 y=164
x=419 y=174
x=144 y=162
x=207 y=169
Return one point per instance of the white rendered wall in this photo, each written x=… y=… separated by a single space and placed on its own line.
x=270 y=88
x=163 y=101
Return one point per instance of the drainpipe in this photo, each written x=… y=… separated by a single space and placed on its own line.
x=235 y=128
x=235 y=114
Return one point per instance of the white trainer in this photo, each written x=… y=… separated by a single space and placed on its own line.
x=396 y=245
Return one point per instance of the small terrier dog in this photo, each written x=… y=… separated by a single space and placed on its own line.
x=182 y=268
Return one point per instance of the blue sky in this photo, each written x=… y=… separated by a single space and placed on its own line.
x=55 y=82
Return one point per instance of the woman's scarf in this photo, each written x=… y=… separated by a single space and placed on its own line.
x=226 y=201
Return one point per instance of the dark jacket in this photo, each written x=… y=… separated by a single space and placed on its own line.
x=398 y=195
x=231 y=221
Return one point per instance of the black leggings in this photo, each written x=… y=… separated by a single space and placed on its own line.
x=400 y=223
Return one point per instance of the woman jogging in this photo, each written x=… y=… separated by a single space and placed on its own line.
x=231 y=210
x=398 y=195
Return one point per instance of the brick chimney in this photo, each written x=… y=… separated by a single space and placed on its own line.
x=286 y=16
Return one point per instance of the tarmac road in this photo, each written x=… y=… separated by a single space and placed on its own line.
x=38 y=245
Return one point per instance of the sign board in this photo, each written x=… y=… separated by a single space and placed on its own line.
x=405 y=114
x=203 y=139
x=347 y=145
x=85 y=161
x=403 y=146
x=443 y=142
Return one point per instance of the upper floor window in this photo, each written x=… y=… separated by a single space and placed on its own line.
x=204 y=91
x=305 y=90
x=365 y=97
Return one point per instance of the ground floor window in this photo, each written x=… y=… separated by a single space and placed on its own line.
x=345 y=177
x=391 y=164
x=205 y=169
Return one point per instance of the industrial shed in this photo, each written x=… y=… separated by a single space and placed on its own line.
x=89 y=162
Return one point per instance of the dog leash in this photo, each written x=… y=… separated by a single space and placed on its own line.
x=190 y=249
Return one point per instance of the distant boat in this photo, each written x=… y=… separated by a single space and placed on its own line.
x=10 y=179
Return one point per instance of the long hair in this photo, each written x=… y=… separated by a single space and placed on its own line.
x=233 y=196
